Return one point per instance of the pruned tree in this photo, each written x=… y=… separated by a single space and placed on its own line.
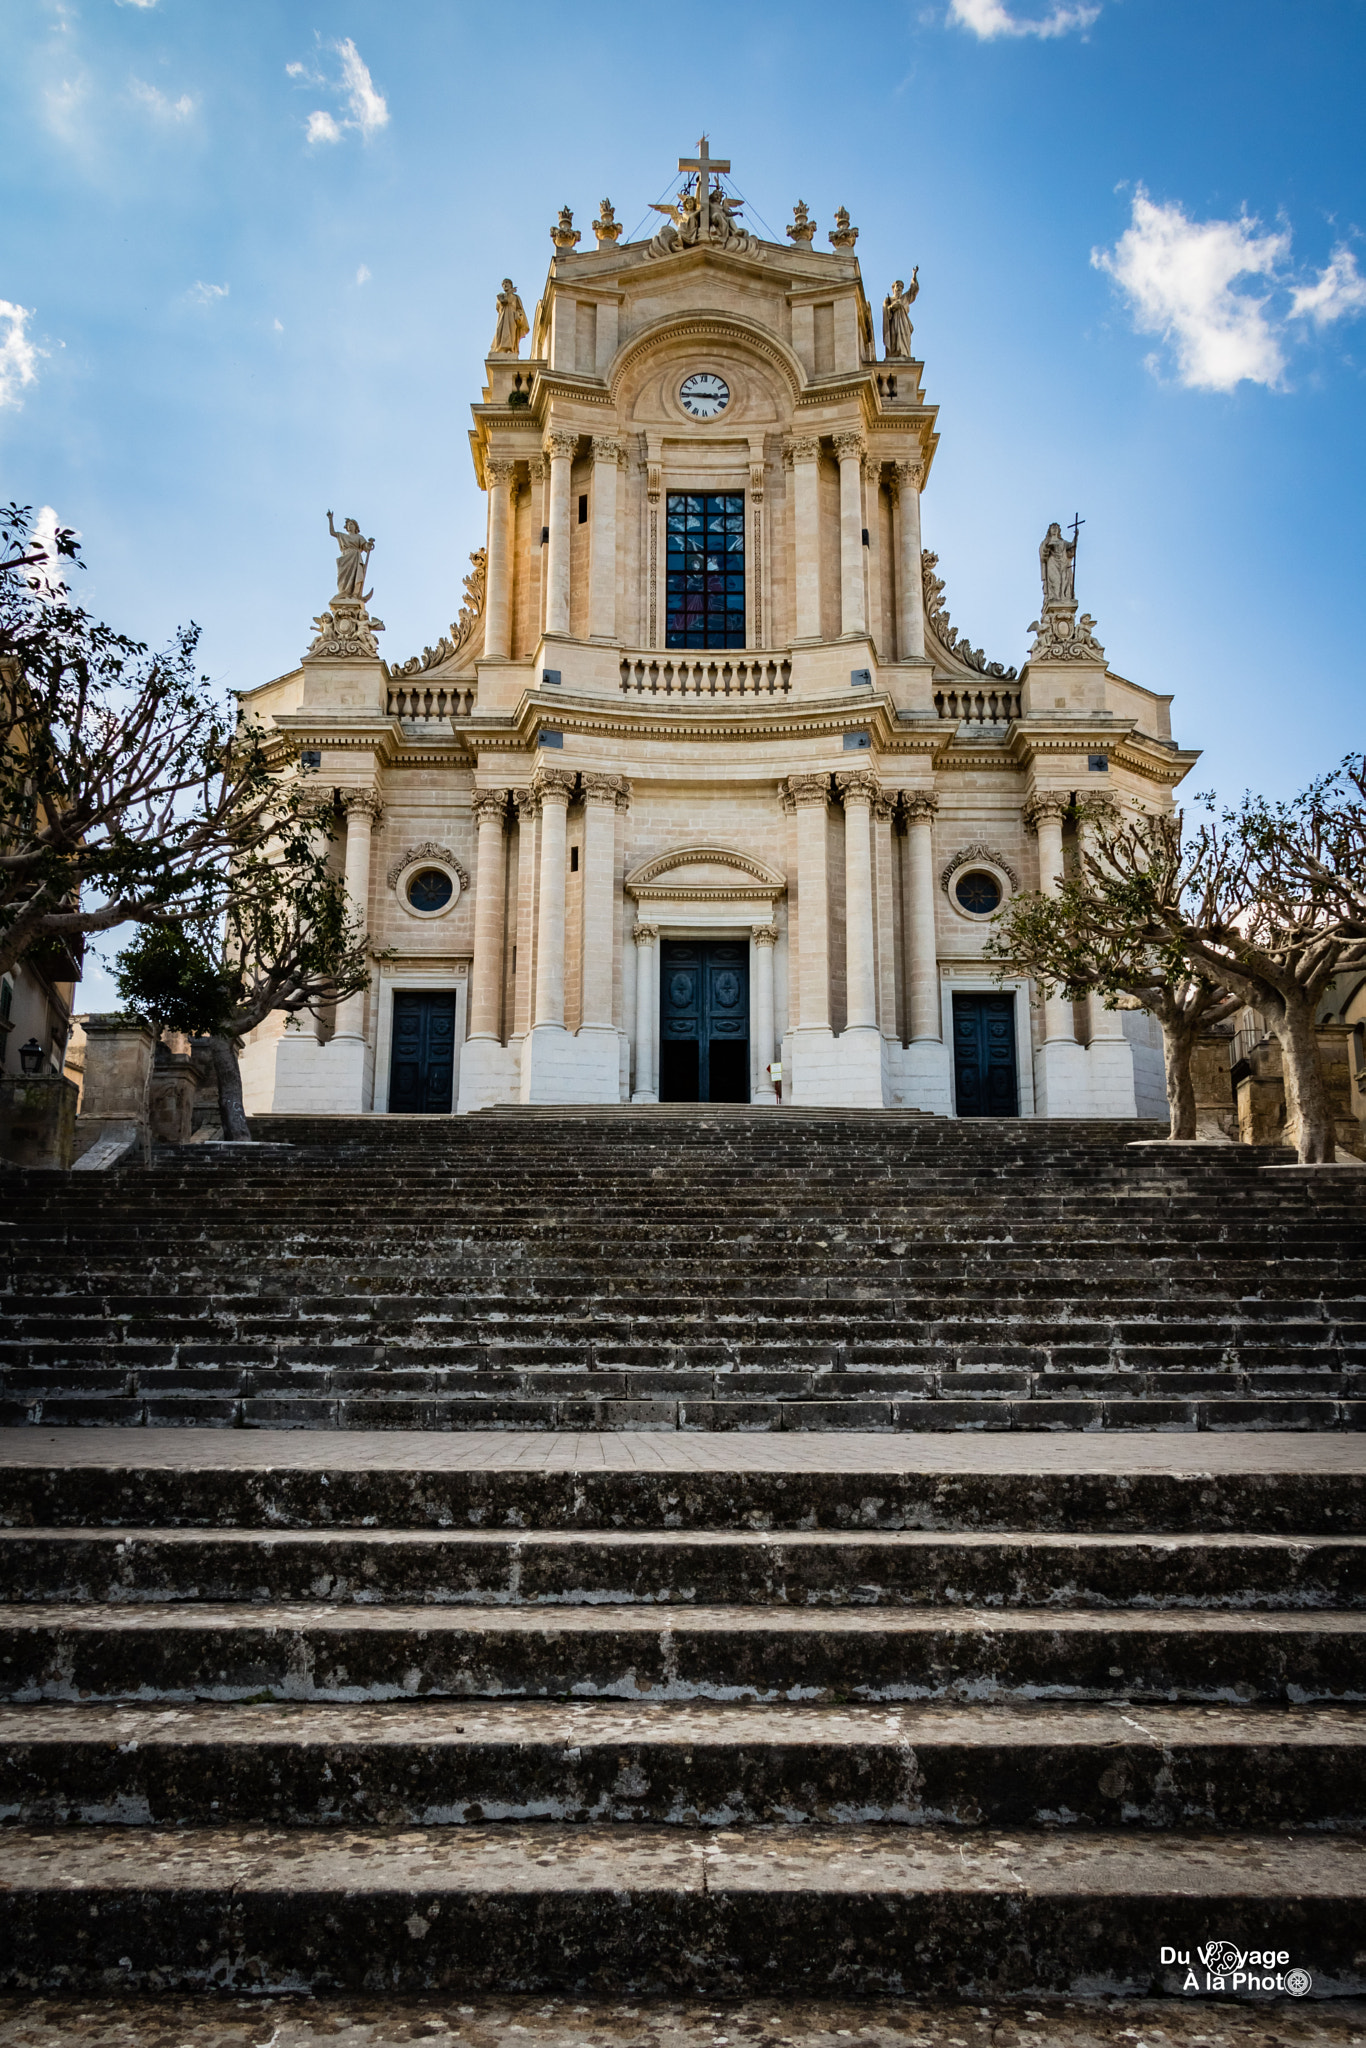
x=124 y=783
x=286 y=941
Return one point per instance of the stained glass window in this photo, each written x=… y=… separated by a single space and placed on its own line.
x=705 y=601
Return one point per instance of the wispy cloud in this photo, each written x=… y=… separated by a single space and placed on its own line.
x=19 y=353
x=1179 y=275
x=366 y=109
x=135 y=3
x=988 y=19
x=201 y=294
x=1338 y=291
x=157 y=103
x=363 y=274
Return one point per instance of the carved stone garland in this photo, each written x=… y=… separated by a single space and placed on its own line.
x=429 y=850
x=967 y=855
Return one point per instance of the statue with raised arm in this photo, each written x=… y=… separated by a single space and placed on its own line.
x=1057 y=557
x=512 y=322
x=353 y=559
x=896 y=317
x=681 y=229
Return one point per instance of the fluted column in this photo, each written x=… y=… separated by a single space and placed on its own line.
x=802 y=455
x=811 y=794
x=646 y=1089
x=498 y=474
x=910 y=586
x=858 y=788
x=1043 y=815
x=926 y=1019
x=602 y=591
x=490 y=880
x=765 y=938
x=850 y=449
x=363 y=810
x=560 y=448
x=554 y=787
x=601 y=795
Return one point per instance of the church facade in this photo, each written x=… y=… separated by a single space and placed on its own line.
x=703 y=796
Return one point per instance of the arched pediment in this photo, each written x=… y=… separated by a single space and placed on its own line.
x=714 y=325
x=706 y=873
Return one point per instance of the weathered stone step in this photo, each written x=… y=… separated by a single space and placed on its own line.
x=178 y=1652
x=793 y=1910
x=442 y=1763
x=802 y=1569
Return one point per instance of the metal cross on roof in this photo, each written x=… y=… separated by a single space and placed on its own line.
x=704 y=165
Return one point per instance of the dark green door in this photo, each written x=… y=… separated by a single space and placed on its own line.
x=704 y=1022
x=422 y=1068
x=985 y=1078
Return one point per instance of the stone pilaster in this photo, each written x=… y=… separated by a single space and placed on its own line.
x=602 y=590
x=646 y=937
x=763 y=939
x=850 y=450
x=910 y=579
x=802 y=454
x=498 y=474
x=560 y=448
x=486 y=990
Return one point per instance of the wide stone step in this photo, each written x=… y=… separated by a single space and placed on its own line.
x=177 y=1652
x=439 y=1763
x=801 y=1569
x=541 y=1907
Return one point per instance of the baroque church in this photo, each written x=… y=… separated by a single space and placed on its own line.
x=702 y=798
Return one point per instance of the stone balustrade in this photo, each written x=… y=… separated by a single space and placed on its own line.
x=706 y=675
x=418 y=700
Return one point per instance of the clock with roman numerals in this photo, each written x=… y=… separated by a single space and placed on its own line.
x=704 y=394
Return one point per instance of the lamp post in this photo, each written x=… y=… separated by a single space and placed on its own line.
x=31 y=1057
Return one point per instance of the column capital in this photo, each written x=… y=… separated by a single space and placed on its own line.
x=645 y=934
x=801 y=448
x=909 y=473
x=1045 y=804
x=560 y=445
x=607 y=448
x=554 y=785
x=526 y=803
x=918 y=803
x=368 y=800
x=606 y=789
x=764 y=934
x=489 y=804
x=536 y=467
x=857 y=785
x=850 y=447
x=805 y=791
x=872 y=469
x=885 y=803
x=499 y=470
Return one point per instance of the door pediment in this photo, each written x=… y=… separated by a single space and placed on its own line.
x=705 y=874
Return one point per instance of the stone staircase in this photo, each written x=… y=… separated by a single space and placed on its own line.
x=808 y=1716
x=709 y=1269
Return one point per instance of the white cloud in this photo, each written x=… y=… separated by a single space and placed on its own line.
x=135 y=3
x=991 y=18
x=279 y=326
x=1178 y=276
x=158 y=105
x=48 y=577
x=363 y=274
x=201 y=294
x=367 y=110
x=18 y=353
x=1339 y=291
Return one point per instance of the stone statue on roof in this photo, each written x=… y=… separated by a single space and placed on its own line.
x=896 y=317
x=512 y=322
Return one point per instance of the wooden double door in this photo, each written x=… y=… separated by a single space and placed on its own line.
x=422 y=1064
x=985 y=1074
x=704 y=1021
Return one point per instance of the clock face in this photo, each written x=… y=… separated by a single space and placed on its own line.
x=704 y=394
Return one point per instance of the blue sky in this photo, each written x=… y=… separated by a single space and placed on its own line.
x=249 y=255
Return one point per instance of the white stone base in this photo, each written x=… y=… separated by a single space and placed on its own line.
x=330 y=1079
x=570 y=1066
x=1111 y=1063
x=848 y=1072
x=927 y=1076
x=1062 y=1079
x=489 y=1073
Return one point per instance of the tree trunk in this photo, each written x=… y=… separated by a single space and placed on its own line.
x=1306 y=1098
x=228 y=1074
x=1178 y=1043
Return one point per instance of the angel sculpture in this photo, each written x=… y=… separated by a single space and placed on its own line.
x=681 y=229
x=726 y=231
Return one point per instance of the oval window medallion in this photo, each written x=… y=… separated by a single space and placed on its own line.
x=430 y=889
x=978 y=892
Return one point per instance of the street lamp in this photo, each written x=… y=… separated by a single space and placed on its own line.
x=31 y=1057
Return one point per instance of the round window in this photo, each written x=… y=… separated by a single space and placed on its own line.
x=978 y=892
x=429 y=889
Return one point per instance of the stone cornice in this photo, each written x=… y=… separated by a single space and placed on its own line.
x=754 y=722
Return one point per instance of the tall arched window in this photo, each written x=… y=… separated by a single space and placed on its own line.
x=705 y=603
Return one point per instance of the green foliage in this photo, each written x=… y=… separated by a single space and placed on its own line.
x=169 y=975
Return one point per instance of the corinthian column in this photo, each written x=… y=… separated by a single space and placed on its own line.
x=645 y=1089
x=553 y=786
x=1043 y=815
x=498 y=473
x=363 y=810
x=601 y=795
x=602 y=593
x=850 y=448
x=926 y=1022
x=858 y=789
x=560 y=447
x=802 y=454
x=811 y=794
x=764 y=938
x=910 y=585
x=486 y=993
